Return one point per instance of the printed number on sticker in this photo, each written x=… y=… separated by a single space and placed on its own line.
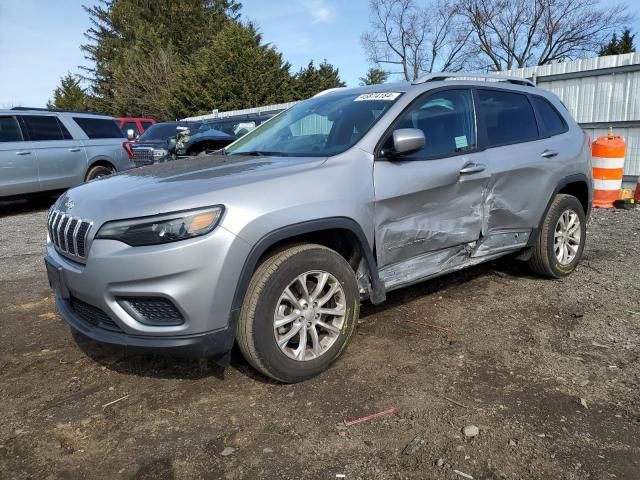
x=377 y=96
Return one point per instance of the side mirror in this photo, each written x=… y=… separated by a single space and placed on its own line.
x=131 y=135
x=407 y=140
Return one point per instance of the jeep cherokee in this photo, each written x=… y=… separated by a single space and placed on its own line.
x=358 y=191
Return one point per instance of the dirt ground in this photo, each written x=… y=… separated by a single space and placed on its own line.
x=547 y=370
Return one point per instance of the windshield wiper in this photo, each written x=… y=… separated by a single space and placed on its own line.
x=262 y=153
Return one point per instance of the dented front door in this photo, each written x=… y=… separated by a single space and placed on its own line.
x=433 y=199
x=426 y=205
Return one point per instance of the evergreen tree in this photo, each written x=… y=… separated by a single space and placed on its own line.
x=619 y=46
x=118 y=26
x=374 y=76
x=234 y=71
x=312 y=80
x=69 y=95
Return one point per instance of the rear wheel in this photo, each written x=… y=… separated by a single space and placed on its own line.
x=99 y=171
x=561 y=240
x=300 y=311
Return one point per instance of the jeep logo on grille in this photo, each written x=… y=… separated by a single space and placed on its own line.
x=69 y=204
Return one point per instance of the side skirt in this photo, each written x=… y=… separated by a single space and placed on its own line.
x=433 y=264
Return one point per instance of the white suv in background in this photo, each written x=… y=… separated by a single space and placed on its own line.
x=45 y=151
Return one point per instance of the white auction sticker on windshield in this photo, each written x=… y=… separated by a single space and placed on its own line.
x=377 y=96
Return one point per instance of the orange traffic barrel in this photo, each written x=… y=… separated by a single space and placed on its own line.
x=607 y=158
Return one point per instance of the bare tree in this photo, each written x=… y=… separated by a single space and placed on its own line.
x=414 y=40
x=518 y=33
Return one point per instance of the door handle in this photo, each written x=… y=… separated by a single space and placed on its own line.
x=472 y=168
x=23 y=152
x=74 y=149
x=548 y=154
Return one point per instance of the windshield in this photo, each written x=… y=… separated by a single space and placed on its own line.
x=321 y=126
x=161 y=131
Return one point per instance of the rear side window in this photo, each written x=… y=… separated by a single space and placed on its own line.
x=551 y=122
x=10 y=130
x=507 y=116
x=99 y=127
x=146 y=125
x=43 y=127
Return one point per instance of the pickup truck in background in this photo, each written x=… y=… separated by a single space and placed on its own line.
x=136 y=124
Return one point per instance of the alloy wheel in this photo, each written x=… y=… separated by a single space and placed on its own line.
x=309 y=315
x=567 y=237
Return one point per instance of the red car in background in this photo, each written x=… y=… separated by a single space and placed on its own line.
x=138 y=125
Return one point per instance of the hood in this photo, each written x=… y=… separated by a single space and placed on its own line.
x=151 y=143
x=178 y=185
x=211 y=133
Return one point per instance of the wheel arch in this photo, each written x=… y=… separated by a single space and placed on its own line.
x=326 y=231
x=579 y=186
x=99 y=162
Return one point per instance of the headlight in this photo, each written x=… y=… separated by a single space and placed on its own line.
x=165 y=228
x=159 y=153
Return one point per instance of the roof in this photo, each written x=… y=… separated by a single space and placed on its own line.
x=45 y=111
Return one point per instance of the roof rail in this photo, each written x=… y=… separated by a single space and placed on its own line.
x=435 y=77
x=55 y=110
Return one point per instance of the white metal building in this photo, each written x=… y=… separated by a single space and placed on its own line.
x=600 y=92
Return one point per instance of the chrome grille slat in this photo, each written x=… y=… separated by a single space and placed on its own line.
x=61 y=227
x=69 y=234
x=56 y=224
x=75 y=237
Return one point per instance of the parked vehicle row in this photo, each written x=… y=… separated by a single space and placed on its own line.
x=273 y=242
x=44 y=151
x=169 y=140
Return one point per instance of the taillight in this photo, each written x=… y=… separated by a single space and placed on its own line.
x=128 y=148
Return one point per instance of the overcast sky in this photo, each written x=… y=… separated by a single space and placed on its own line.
x=39 y=40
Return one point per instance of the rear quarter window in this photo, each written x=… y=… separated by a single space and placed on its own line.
x=96 y=128
x=550 y=121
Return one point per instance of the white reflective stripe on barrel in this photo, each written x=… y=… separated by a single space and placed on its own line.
x=607 y=184
x=603 y=162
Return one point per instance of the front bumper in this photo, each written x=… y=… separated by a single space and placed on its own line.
x=197 y=276
x=200 y=345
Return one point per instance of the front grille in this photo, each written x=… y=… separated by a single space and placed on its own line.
x=68 y=234
x=152 y=310
x=142 y=156
x=93 y=315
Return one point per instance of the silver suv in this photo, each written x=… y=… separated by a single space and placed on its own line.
x=44 y=151
x=348 y=195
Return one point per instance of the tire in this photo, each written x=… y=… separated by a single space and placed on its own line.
x=99 y=171
x=544 y=260
x=257 y=335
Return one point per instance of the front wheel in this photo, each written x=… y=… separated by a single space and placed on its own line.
x=299 y=313
x=561 y=239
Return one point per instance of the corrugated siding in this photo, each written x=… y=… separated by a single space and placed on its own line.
x=599 y=98
x=582 y=65
x=608 y=98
